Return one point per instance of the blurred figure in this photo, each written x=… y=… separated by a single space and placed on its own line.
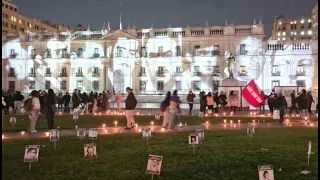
x=33 y=108
x=203 y=102
x=50 y=102
x=293 y=103
x=233 y=101
x=131 y=103
x=310 y=102
x=174 y=108
x=190 y=99
x=60 y=101
x=165 y=109
x=18 y=98
x=118 y=100
x=209 y=99
x=303 y=103
x=281 y=105
x=85 y=101
x=66 y=102
x=261 y=106
x=271 y=100
x=223 y=100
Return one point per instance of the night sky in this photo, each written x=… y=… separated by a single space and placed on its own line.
x=163 y=12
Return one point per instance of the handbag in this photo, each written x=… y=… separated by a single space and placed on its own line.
x=276 y=114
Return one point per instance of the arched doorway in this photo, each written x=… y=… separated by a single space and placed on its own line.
x=118 y=81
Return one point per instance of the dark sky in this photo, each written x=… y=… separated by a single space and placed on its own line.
x=163 y=12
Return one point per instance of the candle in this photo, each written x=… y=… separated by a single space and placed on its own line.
x=185 y=124
x=180 y=124
x=47 y=134
x=103 y=125
x=137 y=113
x=224 y=113
x=152 y=123
x=2 y=136
x=115 y=123
x=207 y=122
x=305 y=118
x=105 y=131
x=253 y=121
x=224 y=121
x=99 y=113
x=136 y=125
x=60 y=113
x=239 y=121
x=139 y=130
x=231 y=121
x=23 y=132
x=309 y=149
x=76 y=127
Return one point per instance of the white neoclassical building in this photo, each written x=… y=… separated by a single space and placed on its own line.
x=154 y=61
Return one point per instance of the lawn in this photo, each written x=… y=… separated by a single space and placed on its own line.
x=224 y=155
x=91 y=121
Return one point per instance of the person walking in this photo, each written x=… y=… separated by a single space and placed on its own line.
x=271 y=100
x=223 y=100
x=165 y=109
x=233 y=101
x=60 y=101
x=50 y=102
x=203 y=103
x=32 y=105
x=293 y=103
x=310 y=102
x=210 y=103
x=303 y=103
x=174 y=108
x=281 y=105
x=190 y=99
x=118 y=100
x=18 y=98
x=66 y=102
x=130 y=103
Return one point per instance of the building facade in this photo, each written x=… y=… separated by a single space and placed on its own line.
x=315 y=21
x=154 y=61
x=13 y=22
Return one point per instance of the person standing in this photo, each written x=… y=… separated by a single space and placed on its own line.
x=118 y=100
x=75 y=99
x=233 y=101
x=223 y=100
x=281 y=105
x=18 y=98
x=131 y=103
x=66 y=101
x=165 y=109
x=109 y=99
x=33 y=109
x=293 y=103
x=310 y=102
x=190 y=99
x=210 y=103
x=50 y=102
x=203 y=103
x=60 y=101
x=261 y=106
x=174 y=108
x=216 y=102
x=303 y=103
x=271 y=100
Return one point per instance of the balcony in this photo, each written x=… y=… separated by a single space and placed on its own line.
x=142 y=74
x=11 y=74
x=79 y=74
x=80 y=55
x=216 y=73
x=47 y=74
x=12 y=56
x=65 y=56
x=32 y=56
x=95 y=74
x=243 y=73
x=118 y=55
x=177 y=73
x=196 y=73
x=303 y=73
x=160 y=73
x=63 y=75
x=96 y=55
x=215 y=53
x=275 y=73
x=48 y=56
x=32 y=74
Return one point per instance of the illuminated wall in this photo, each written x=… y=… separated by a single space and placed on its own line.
x=153 y=61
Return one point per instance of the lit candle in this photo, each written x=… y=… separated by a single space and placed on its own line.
x=305 y=118
x=99 y=113
x=2 y=136
x=23 y=132
x=309 y=149
x=115 y=123
x=137 y=113
x=95 y=113
x=76 y=127
x=185 y=124
x=81 y=113
x=253 y=121
x=106 y=131
x=163 y=129
x=149 y=114
x=47 y=134
x=254 y=114
x=224 y=121
x=311 y=124
x=180 y=124
x=234 y=126
x=60 y=113
x=139 y=130
x=152 y=123
x=224 y=113
x=207 y=122
x=231 y=113
x=269 y=114
x=103 y=125
x=251 y=114
x=231 y=121
x=239 y=121
x=136 y=125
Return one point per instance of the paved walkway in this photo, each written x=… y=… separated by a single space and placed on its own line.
x=178 y=128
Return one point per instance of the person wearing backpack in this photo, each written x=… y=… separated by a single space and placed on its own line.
x=165 y=109
x=32 y=106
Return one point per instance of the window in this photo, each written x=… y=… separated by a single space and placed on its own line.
x=302 y=32
x=142 y=85
x=302 y=26
x=160 y=70
x=96 y=50
x=33 y=52
x=80 y=51
x=242 y=69
x=309 y=32
x=178 y=69
x=243 y=49
x=12 y=85
x=48 y=53
x=160 y=50
x=64 y=70
x=178 y=49
x=301 y=83
x=32 y=70
x=119 y=52
x=196 y=85
x=275 y=68
x=160 y=85
x=309 y=25
x=79 y=85
x=80 y=70
x=283 y=33
x=215 y=85
x=302 y=21
x=12 y=53
x=95 y=85
x=275 y=83
x=216 y=47
x=96 y=70
x=47 y=84
x=48 y=71
x=142 y=71
x=144 y=52
x=216 y=69
x=32 y=84
x=178 y=85
x=63 y=85
x=197 y=69
x=11 y=72
x=283 y=28
x=283 y=38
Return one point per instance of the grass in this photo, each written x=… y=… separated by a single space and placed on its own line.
x=224 y=155
x=90 y=121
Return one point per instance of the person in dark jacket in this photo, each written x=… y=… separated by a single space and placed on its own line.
x=281 y=105
x=293 y=103
x=66 y=102
x=223 y=100
x=303 y=103
x=190 y=99
x=60 y=101
x=50 y=102
x=85 y=101
x=18 y=98
x=261 y=106
x=310 y=102
x=203 y=102
x=216 y=102
x=8 y=98
x=130 y=103
x=271 y=101
x=75 y=99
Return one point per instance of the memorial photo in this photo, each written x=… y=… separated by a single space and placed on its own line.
x=146 y=133
x=81 y=133
x=54 y=135
x=266 y=173
x=90 y=151
x=200 y=134
x=193 y=139
x=154 y=164
x=31 y=153
x=93 y=133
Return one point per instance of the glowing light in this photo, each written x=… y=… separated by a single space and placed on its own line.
x=305 y=118
x=60 y=113
x=163 y=129
x=103 y=125
x=302 y=21
x=239 y=121
x=152 y=123
x=234 y=126
x=47 y=134
x=231 y=121
x=269 y=114
x=2 y=136
x=136 y=125
x=207 y=122
x=106 y=131
x=302 y=32
x=224 y=113
x=138 y=113
x=224 y=121
x=95 y=113
x=99 y=113
x=254 y=121
x=311 y=124
x=139 y=130
x=115 y=123
x=23 y=132
x=231 y=113
x=309 y=32
x=81 y=113
x=180 y=124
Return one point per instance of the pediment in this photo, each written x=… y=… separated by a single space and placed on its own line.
x=117 y=34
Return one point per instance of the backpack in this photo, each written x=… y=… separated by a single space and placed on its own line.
x=28 y=105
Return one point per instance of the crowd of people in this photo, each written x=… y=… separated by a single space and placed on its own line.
x=45 y=103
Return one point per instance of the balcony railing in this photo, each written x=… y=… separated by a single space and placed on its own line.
x=196 y=53
x=276 y=73
x=47 y=74
x=243 y=52
x=216 y=73
x=301 y=73
x=48 y=56
x=96 y=55
x=196 y=73
x=160 y=73
x=243 y=73
x=32 y=56
x=118 y=55
x=65 y=56
x=12 y=56
x=63 y=75
x=11 y=74
x=215 y=53
x=144 y=54
x=96 y=74
x=32 y=74
x=177 y=73
x=179 y=54
x=79 y=74
x=80 y=55
x=142 y=74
